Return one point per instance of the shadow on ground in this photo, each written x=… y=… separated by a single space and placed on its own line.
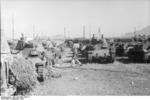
x=126 y=60
x=85 y=61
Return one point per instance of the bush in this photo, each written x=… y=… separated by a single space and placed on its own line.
x=25 y=73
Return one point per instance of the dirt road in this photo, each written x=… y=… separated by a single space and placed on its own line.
x=98 y=79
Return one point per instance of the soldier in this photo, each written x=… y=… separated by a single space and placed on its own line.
x=75 y=55
x=21 y=43
x=112 y=51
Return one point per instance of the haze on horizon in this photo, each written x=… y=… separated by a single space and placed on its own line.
x=49 y=17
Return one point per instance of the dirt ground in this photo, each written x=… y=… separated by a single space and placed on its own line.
x=98 y=79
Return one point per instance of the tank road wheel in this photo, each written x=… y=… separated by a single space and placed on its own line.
x=40 y=78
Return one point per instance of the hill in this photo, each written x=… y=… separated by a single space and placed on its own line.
x=144 y=31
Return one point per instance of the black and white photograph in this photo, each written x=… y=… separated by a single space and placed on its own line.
x=74 y=48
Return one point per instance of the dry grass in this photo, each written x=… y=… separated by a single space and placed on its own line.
x=25 y=74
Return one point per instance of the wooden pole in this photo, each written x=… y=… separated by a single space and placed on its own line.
x=64 y=32
x=12 y=26
x=99 y=33
x=135 y=31
x=0 y=21
x=89 y=31
x=83 y=31
x=33 y=31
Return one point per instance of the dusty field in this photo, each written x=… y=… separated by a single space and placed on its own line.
x=98 y=79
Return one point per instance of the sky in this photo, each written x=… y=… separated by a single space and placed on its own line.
x=49 y=17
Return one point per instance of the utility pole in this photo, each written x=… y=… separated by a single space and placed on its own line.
x=33 y=31
x=90 y=31
x=13 y=27
x=134 y=33
x=64 y=32
x=68 y=34
x=0 y=24
x=83 y=31
x=99 y=33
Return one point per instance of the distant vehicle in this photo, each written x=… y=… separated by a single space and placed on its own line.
x=137 y=53
x=101 y=55
x=98 y=51
x=33 y=52
x=37 y=57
